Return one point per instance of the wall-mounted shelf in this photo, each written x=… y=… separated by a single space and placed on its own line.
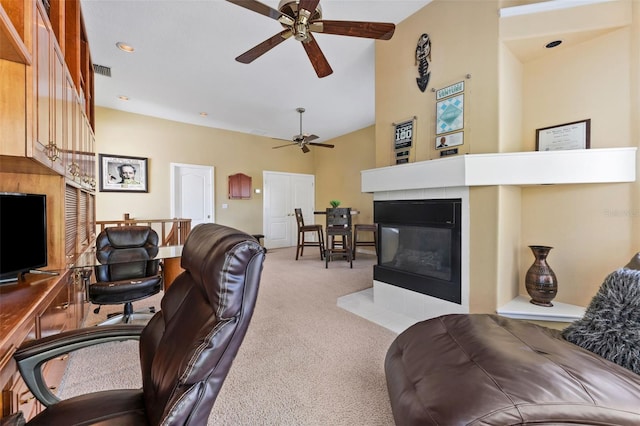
x=12 y=47
x=608 y=165
x=520 y=308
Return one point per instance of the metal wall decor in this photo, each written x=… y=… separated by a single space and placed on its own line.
x=423 y=61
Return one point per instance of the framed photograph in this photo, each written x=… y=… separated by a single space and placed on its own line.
x=123 y=174
x=450 y=114
x=446 y=141
x=575 y=135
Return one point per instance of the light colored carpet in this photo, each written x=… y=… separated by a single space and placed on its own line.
x=304 y=361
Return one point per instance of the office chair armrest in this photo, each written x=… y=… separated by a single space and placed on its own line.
x=33 y=354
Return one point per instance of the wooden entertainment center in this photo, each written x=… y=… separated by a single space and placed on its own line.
x=46 y=147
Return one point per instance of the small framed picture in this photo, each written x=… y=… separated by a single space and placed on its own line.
x=446 y=141
x=575 y=135
x=123 y=174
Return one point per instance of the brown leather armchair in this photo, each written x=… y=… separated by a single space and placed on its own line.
x=186 y=349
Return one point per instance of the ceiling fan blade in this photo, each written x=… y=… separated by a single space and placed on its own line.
x=305 y=148
x=259 y=50
x=326 y=145
x=319 y=62
x=310 y=138
x=376 y=30
x=309 y=5
x=265 y=10
x=289 y=144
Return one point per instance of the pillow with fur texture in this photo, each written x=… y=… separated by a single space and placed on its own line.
x=611 y=324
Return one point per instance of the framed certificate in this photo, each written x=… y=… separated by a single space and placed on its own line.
x=575 y=135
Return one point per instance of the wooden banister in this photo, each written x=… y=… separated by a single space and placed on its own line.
x=177 y=234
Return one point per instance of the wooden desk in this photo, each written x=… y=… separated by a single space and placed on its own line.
x=38 y=306
x=170 y=256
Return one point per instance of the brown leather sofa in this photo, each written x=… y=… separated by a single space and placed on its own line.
x=482 y=369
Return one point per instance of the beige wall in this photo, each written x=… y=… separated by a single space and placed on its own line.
x=338 y=172
x=463 y=38
x=589 y=226
x=593 y=228
x=163 y=142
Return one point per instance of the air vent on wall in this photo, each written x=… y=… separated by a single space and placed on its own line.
x=102 y=70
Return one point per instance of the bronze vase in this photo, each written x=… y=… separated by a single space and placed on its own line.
x=540 y=279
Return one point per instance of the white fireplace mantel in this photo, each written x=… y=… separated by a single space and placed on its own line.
x=606 y=165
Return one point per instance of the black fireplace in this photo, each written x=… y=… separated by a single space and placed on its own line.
x=419 y=246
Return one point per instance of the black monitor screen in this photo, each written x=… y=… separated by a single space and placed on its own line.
x=23 y=234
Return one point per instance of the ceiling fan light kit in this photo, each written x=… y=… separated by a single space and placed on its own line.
x=301 y=18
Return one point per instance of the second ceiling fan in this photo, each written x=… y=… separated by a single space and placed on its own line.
x=304 y=139
x=301 y=18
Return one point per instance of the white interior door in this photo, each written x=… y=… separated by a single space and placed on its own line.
x=283 y=192
x=192 y=193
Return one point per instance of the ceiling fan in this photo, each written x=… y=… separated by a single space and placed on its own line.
x=304 y=139
x=301 y=18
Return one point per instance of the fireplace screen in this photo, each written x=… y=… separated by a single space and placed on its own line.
x=419 y=250
x=419 y=246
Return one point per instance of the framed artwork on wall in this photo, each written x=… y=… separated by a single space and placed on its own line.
x=123 y=174
x=450 y=114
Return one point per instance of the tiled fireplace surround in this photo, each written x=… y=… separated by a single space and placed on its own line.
x=397 y=308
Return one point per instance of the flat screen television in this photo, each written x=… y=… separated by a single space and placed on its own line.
x=23 y=234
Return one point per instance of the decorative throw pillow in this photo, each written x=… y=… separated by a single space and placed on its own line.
x=611 y=324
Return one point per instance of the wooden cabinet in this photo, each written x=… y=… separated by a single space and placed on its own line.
x=46 y=147
x=42 y=94
x=239 y=187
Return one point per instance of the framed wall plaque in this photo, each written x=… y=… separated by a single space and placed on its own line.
x=403 y=135
x=575 y=135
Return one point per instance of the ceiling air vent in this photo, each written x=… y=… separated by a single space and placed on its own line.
x=102 y=70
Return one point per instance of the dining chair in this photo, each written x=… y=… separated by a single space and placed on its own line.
x=302 y=232
x=339 y=225
x=358 y=229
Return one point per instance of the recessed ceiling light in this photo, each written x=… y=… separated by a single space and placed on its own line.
x=125 y=47
x=123 y=98
x=553 y=44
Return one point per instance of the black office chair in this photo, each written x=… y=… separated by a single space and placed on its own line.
x=127 y=271
x=186 y=350
x=339 y=226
